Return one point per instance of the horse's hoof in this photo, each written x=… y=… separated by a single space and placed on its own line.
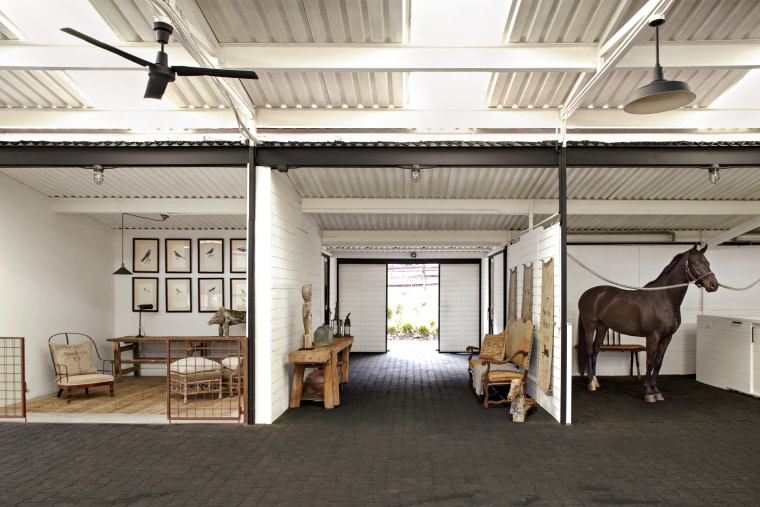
x=650 y=398
x=659 y=397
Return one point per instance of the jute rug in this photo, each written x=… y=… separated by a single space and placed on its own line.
x=133 y=395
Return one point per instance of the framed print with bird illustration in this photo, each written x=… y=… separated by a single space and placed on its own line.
x=238 y=255
x=210 y=256
x=210 y=294
x=144 y=294
x=239 y=293
x=145 y=255
x=178 y=295
x=179 y=255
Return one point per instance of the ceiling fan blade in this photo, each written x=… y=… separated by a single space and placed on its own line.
x=201 y=71
x=107 y=47
x=156 y=88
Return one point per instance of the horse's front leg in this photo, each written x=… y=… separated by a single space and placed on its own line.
x=662 y=346
x=649 y=381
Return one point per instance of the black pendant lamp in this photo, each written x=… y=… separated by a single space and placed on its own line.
x=122 y=270
x=660 y=95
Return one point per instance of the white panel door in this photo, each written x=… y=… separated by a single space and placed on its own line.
x=362 y=293
x=459 y=324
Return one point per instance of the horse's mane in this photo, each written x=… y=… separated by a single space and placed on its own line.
x=668 y=269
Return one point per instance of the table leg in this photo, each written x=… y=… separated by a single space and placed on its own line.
x=117 y=360
x=344 y=365
x=329 y=372
x=297 y=388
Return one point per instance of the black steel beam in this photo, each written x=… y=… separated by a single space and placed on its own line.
x=406 y=156
x=76 y=155
x=663 y=156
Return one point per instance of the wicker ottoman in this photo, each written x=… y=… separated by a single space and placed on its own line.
x=195 y=375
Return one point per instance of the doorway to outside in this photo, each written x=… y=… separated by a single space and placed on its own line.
x=412 y=313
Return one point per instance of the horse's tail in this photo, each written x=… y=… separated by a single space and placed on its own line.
x=581 y=349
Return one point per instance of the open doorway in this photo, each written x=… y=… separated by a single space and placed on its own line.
x=412 y=313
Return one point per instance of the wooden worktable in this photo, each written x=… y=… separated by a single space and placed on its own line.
x=127 y=343
x=325 y=357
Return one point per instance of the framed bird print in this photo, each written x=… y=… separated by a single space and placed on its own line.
x=239 y=293
x=144 y=255
x=144 y=294
x=210 y=256
x=238 y=255
x=210 y=294
x=179 y=255
x=178 y=295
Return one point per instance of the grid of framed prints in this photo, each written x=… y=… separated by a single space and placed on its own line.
x=179 y=257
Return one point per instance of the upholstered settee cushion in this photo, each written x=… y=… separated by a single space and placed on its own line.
x=230 y=363
x=73 y=359
x=194 y=365
x=493 y=346
x=81 y=380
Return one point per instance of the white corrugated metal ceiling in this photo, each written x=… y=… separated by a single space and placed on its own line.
x=332 y=70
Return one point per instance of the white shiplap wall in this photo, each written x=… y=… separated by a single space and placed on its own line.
x=535 y=247
x=288 y=251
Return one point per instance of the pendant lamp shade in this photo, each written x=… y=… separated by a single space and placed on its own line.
x=660 y=95
x=122 y=270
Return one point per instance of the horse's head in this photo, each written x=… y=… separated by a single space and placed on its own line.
x=698 y=269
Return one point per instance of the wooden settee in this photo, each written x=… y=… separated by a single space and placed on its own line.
x=502 y=360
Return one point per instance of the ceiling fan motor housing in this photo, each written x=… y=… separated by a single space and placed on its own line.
x=163 y=31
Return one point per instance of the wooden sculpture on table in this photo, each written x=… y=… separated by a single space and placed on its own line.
x=306 y=314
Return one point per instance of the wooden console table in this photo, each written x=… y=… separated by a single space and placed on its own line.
x=127 y=343
x=325 y=357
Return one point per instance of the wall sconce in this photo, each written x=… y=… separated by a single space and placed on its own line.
x=123 y=270
x=714 y=173
x=97 y=174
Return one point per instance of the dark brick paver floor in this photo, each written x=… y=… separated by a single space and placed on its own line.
x=408 y=432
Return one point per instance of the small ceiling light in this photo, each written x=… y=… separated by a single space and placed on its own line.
x=660 y=95
x=714 y=174
x=97 y=174
x=416 y=174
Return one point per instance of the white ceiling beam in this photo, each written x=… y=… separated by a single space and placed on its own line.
x=690 y=55
x=706 y=121
x=527 y=206
x=135 y=121
x=416 y=238
x=749 y=225
x=611 y=52
x=502 y=119
x=176 y=206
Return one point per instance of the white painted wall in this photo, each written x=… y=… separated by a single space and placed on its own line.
x=55 y=276
x=288 y=256
x=736 y=266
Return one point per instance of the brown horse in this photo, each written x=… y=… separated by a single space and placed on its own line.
x=654 y=312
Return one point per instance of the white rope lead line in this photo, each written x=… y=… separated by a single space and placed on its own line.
x=622 y=284
x=653 y=288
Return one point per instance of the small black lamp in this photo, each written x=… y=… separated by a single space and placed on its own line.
x=146 y=306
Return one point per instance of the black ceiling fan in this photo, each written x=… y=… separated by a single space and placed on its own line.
x=160 y=74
